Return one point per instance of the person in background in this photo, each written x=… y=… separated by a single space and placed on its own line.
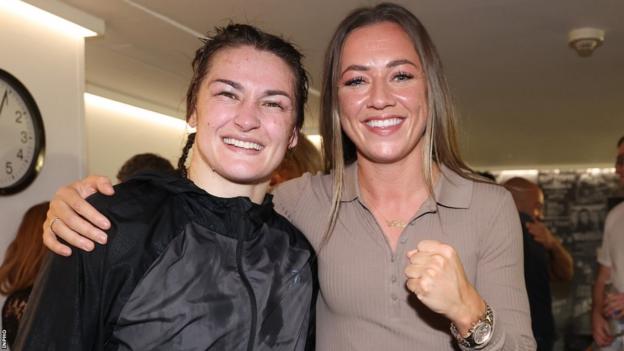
x=144 y=162
x=608 y=291
x=414 y=250
x=303 y=158
x=545 y=259
x=22 y=261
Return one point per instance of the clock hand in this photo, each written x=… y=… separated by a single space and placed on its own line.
x=4 y=99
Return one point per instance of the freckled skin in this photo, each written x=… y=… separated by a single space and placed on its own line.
x=235 y=101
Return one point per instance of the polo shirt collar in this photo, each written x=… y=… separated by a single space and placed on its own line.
x=350 y=187
x=451 y=190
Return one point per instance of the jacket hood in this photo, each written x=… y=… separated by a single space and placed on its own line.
x=238 y=211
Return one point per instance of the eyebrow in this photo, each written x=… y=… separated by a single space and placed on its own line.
x=238 y=86
x=231 y=83
x=389 y=65
x=277 y=92
x=401 y=62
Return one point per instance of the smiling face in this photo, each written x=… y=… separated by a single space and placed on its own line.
x=382 y=93
x=245 y=116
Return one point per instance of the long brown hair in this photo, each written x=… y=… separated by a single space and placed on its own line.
x=440 y=138
x=23 y=258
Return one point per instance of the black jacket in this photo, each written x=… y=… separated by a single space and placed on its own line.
x=536 y=267
x=183 y=270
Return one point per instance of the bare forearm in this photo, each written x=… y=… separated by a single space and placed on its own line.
x=561 y=262
x=599 y=289
x=598 y=297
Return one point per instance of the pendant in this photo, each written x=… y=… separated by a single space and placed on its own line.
x=395 y=223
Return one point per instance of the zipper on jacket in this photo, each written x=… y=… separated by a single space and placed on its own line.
x=252 y=296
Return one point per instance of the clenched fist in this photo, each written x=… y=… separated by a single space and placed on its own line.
x=436 y=275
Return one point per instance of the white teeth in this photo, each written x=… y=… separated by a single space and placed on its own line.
x=242 y=144
x=384 y=123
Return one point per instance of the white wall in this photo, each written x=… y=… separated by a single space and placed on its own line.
x=51 y=65
x=116 y=132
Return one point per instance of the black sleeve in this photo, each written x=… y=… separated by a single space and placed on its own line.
x=76 y=300
x=311 y=337
x=63 y=312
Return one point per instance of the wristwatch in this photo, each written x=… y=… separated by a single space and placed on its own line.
x=480 y=333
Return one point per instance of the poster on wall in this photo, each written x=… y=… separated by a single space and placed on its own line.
x=575 y=207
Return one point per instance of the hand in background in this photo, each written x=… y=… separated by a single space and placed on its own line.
x=73 y=219
x=614 y=306
x=600 y=330
x=542 y=234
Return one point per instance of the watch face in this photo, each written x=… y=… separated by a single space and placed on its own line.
x=482 y=333
x=22 y=139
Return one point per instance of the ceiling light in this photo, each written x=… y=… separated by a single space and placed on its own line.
x=135 y=112
x=315 y=139
x=57 y=15
x=585 y=40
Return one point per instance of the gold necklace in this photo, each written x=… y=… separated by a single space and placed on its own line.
x=396 y=223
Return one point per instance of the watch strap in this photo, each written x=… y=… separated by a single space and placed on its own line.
x=469 y=341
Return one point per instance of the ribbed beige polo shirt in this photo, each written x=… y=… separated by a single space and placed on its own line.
x=363 y=303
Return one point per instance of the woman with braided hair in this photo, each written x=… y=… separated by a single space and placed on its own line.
x=199 y=260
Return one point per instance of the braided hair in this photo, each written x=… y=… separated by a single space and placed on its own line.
x=187 y=147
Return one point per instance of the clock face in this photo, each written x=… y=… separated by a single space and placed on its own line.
x=22 y=139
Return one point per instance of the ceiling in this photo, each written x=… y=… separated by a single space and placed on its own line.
x=525 y=98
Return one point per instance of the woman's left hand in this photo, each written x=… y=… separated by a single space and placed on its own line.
x=436 y=275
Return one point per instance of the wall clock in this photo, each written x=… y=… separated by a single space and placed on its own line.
x=22 y=138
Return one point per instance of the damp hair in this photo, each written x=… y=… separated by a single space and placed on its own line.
x=238 y=35
x=185 y=151
x=441 y=146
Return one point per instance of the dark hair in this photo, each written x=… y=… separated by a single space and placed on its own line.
x=237 y=35
x=486 y=175
x=621 y=141
x=440 y=138
x=143 y=162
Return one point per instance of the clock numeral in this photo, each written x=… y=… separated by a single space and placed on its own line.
x=18 y=118
x=24 y=137
x=8 y=168
x=20 y=154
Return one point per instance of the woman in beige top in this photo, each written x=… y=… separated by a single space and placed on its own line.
x=409 y=241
